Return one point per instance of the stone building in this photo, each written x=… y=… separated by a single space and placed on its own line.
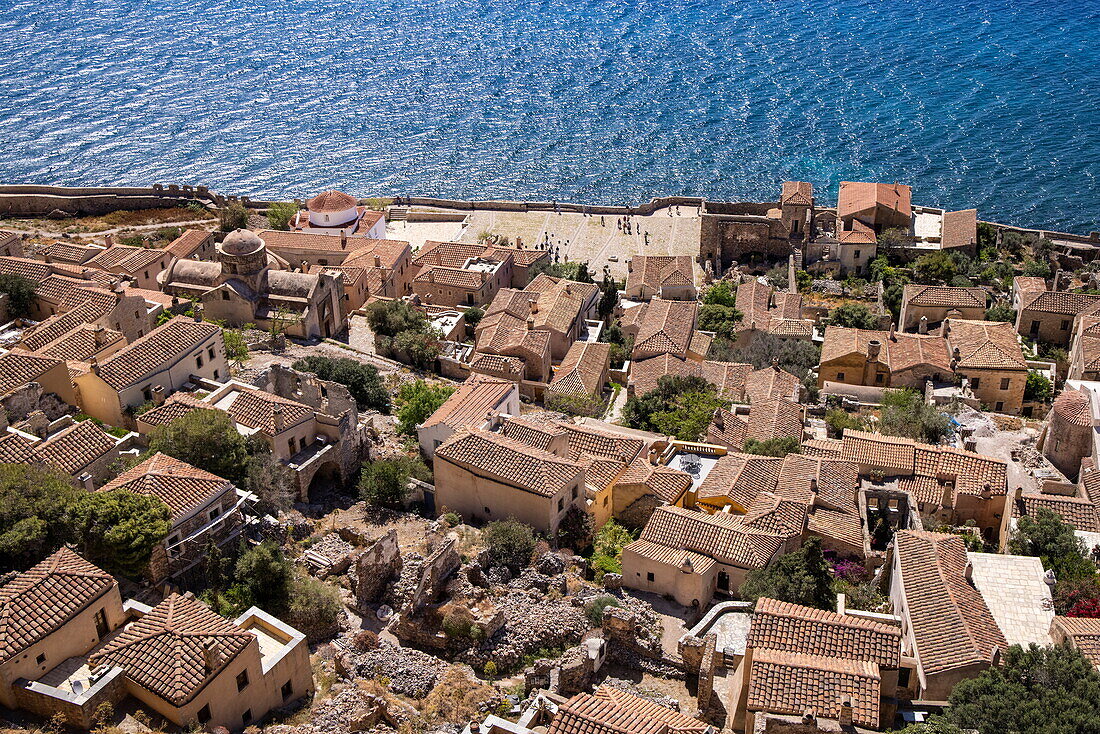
x=1084 y=355
x=151 y=368
x=11 y=244
x=464 y=275
x=457 y=254
x=667 y=327
x=1067 y=437
x=671 y=277
x=80 y=450
x=988 y=355
x=766 y=310
x=25 y=378
x=879 y=206
x=192 y=244
x=335 y=213
x=473 y=405
x=580 y=379
x=882 y=359
x=924 y=306
x=1048 y=316
x=206 y=510
x=247 y=285
x=140 y=265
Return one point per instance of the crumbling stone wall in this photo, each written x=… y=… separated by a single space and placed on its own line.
x=707 y=666
x=30 y=398
x=373 y=568
x=323 y=396
x=437 y=568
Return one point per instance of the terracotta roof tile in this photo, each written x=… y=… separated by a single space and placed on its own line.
x=791 y=683
x=471 y=402
x=1060 y=302
x=17 y=368
x=959 y=229
x=666 y=328
x=857 y=196
x=779 y=625
x=508 y=460
x=941 y=296
x=611 y=711
x=985 y=344
x=188 y=243
x=332 y=202
x=740 y=478
x=583 y=371
x=1081 y=513
x=1085 y=633
x=157 y=350
x=179 y=485
x=657 y=271
x=797 y=193
x=723 y=537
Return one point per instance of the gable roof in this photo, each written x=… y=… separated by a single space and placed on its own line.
x=612 y=711
x=985 y=344
x=942 y=296
x=179 y=485
x=791 y=683
x=159 y=349
x=723 y=537
x=41 y=600
x=583 y=371
x=666 y=328
x=18 y=367
x=658 y=271
x=959 y=229
x=856 y=197
x=797 y=193
x=950 y=621
x=165 y=652
x=1059 y=302
x=471 y=403
x=1085 y=634
x=188 y=243
x=779 y=625
x=507 y=460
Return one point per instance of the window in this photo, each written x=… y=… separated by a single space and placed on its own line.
x=101 y=628
x=857 y=254
x=246 y=716
x=605 y=498
x=225 y=295
x=878 y=379
x=41 y=658
x=302 y=443
x=214 y=514
x=288 y=690
x=215 y=374
x=574 y=492
x=903 y=677
x=999 y=407
x=840 y=375
x=198 y=360
x=204 y=714
x=561 y=504
x=649 y=576
x=1004 y=383
x=1034 y=327
x=290 y=445
x=147 y=275
x=975 y=382
x=242 y=680
x=147 y=393
x=210 y=352
x=487 y=511
x=1065 y=325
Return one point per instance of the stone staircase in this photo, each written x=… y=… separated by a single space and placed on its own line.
x=397 y=213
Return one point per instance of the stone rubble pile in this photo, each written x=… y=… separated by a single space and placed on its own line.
x=410 y=672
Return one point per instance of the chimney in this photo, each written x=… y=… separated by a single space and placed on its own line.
x=813 y=484
x=844 y=711
x=968 y=572
x=775 y=362
x=377 y=261
x=948 y=497
x=686 y=566
x=484 y=276
x=892 y=337
x=534 y=304
x=718 y=420
x=809 y=717
x=653 y=455
x=100 y=335
x=108 y=240
x=987 y=491
x=196 y=308
x=873 y=348
x=530 y=323
x=211 y=653
x=277 y=418
x=158 y=395
x=93 y=363
x=431 y=275
x=343 y=240
x=1018 y=494
x=841 y=604
x=568 y=288
x=922 y=328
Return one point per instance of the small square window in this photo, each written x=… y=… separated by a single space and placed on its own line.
x=1065 y=325
x=649 y=576
x=242 y=680
x=288 y=690
x=857 y=254
x=975 y=382
x=204 y=714
x=198 y=361
x=840 y=375
x=999 y=407
x=246 y=716
x=878 y=379
x=40 y=659
x=1004 y=383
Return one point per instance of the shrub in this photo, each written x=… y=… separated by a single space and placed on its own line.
x=233 y=217
x=594 y=609
x=510 y=542
x=679 y=406
x=780 y=446
x=473 y=316
x=416 y=401
x=1000 y=311
x=207 y=439
x=459 y=624
x=838 y=420
x=20 y=293
x=904 y=413
x=263 y=577
x=1046 y=536
x=362 y=380
x=853 y=315
x=801 y=577
x=721 y=293
x=280 y=213
x=603 y=564
x=489 y=669
x=452 y=519
x=385 y=482
x=611 y=538
x=1038 y=387
x=778 y=277
x=314 y=605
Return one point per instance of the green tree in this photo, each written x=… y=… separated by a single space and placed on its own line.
x=803 y=281
x=611 y=538
x=473 y=316
x=838 y=420
x=853 y=315
x=236 y=348
x=313 y=604
x=778 y=277
x=722 y=320
x=510 y=542
x=801 y=577
x=934 y=725
x=891 y=239
x=280 y=213
x=362 y=380
x=385 y=482
x=207 y=439
x=777 y=446
x=390 y=318
x=1047 y=537
x=20 y=292
x=233 y=217
x=264 y=577
x=1038 y=387
x=904 y=413
x=34 y=514
x=679 y=406
x=934 y=267
x=1038 y=690
x=793 y=355
x=118 y=530
x=987 y=236
x=721 y=293
x=575 y=529
x=420 y=348
x=416 y=401
x=609 y=297
x=1000 y=311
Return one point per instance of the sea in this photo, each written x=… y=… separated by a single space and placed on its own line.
x=993 y=104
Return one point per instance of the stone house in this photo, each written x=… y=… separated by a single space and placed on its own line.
x=1048 y=316
x=476 y=283
x=670 y=277
x=1067 y=436
x=1081 y=633
x=845 y=666
x=520 y=259
x=988 y=355
x=156 y=365
x=581 y=377
x=334 y=213
x=691 y=555
x=1084 y=355
x=796 y=207
x=555 y=305
x=11 y=244
x=81 y=450
x=141 y=265
x=923 y=306
x=206 y=509
x=947 y=626
x=667 y=327
x=770 y=311
x=192 y=244
x=315 y=445
x=473 y=405
x=25 y=378
x=763 y=420
x=83 y=344
x=959 y=231
x=379 y=268
x=488 y=476
x=879 y=206
x=246 y=285
x=882 y=359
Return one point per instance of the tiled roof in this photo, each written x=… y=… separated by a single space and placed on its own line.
x=770 y=383
x=537 y=433
x=666 y=483
x=612 y=711
x=156 y=351
x=949 y=619
x=41 y=600
x=941 y=296
x=723 y=537
x=471 y=402
x=54 y=327
x=828 y=447
x=794 y=628
x=129 y=259
x=256 y=408
x=771 y=513
x=179 y=485
x=332 y=202
x=666 y=328
x=874 y=449
x=959 y=229
x=1060 y=302
x=585 y=441
x=845 y=527
x=17 y=368
x=177 y=406
x=740 y=478
x=508 y=460
x=656 y=271
x=70 y=252
x=776 y=418
x=900 y=352
x=584 y=369
x=363 y=252
x=1028 y=284
x=1085 y=633
x=450 y=277
x=72 y=449
x=26 y=267
x=188 y=243
x=82 y=343
x=1074 y=407
x=166 y=651
x=798 y=193
x=674 y=557
x=790 y=683
x=856 y=197
x=985 y=344
x=833 y=481
x=729 y=377
x=1080 y=513
x=497 y=364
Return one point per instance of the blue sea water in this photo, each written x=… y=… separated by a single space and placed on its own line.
x=993 y=103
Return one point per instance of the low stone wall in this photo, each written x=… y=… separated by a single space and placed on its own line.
x=78 y=710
